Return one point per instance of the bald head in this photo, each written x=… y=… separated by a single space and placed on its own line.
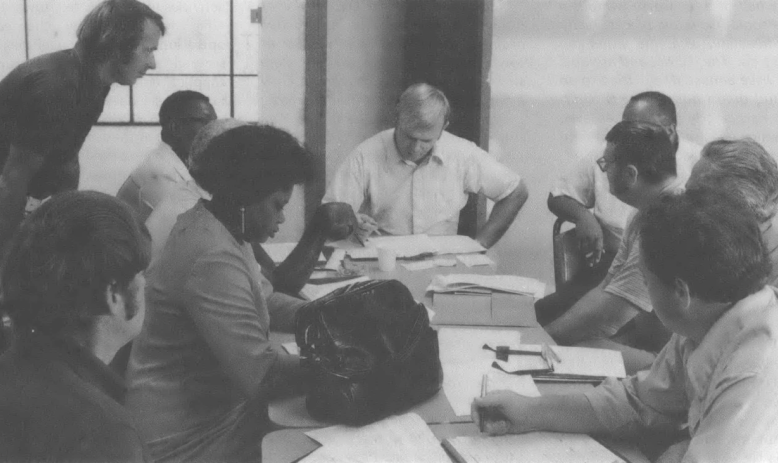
x=654 y=108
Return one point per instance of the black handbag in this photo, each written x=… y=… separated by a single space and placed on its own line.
x=369 y=351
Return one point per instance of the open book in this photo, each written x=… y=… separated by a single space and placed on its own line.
x=537 y=447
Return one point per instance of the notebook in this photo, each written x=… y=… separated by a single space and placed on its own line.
x=537 y=447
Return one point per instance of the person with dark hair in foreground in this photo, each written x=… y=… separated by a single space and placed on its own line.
x=165 y=169
x=73 y=285
x=49 y=104
x=202 y=370
x=705 y=266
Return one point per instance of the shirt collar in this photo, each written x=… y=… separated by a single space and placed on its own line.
x=704 y=357
x=172 y=158
x=394 y=155
x=80 y=360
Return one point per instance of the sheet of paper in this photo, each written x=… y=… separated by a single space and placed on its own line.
x=520 y=384
x=457 y=282
x=537 y=447
x=404 y=246
x=473 y=260
x=456 y=244
x=291 y=348
x=313 y=292
x=445 y=262
x=419 y=265
x=577 y=361
x=335 y=260
x=465 y=361
x=392 y=439
x=280 y=251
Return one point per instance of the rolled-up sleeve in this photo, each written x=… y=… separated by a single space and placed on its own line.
x=485 y=175
x=578 y=183
x=228 y=315
x=653 y=399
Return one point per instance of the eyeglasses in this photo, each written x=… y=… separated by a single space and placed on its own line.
x=603 y=164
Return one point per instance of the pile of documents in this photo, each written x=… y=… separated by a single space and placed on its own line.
x=410 y=246
x=474 y=283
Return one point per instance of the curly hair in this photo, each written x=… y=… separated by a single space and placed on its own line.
x=65 y=255
x=248 y=163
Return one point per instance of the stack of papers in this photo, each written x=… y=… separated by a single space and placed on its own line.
x=473 y=283
x=410 y=246
x=397 y=438
x=578 y=364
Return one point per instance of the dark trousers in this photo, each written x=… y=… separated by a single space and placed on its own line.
x=555 y=304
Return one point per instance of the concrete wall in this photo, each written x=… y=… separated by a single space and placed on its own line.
x=364 y=71
x=562 y=71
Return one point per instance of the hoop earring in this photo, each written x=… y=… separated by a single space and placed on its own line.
x=242 y=220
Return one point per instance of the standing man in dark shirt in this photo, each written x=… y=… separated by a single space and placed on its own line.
x=49 y=104
x=73 y=284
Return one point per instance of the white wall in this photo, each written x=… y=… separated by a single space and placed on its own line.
x=562 y=71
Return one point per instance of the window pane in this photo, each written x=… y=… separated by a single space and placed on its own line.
x=52 y=24
x=117 y=105
x=12 y=26
x=197 y=39
x=246 y=37
x=151 y=91
x=247 y=98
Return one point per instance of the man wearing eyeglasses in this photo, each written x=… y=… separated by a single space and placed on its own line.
x=640 y=164
x=181 y=116
x=582 y=196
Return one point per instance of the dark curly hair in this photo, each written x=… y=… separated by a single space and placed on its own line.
x=248 y=163
x=63 y=258
x=708 y=239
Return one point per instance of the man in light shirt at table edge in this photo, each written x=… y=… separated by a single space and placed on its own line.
x=705 y=266
x=415 y=178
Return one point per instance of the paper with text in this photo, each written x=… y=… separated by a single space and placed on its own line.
x=537 y=447
x=392 y=439
x=465 y=361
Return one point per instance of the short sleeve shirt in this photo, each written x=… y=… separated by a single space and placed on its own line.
x=588 y=185
x=50 y=104
x=405 y=198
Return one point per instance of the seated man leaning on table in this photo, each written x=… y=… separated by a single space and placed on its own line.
x=333 y=221
x=181 y=116
x=415 y=178
x=706 y=269
x=73 y=285
x=582 y=196
x=639 y=160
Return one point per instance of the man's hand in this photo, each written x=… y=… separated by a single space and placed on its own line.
x=366 y=227
x=589 y=234
x=337 y=220
x=500 y=413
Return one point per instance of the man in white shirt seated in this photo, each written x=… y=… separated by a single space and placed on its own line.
x=181 y=116
x=706 y=267
x=415 y=178
x=582 y=196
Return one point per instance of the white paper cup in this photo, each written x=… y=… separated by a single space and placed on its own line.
x=386 y=259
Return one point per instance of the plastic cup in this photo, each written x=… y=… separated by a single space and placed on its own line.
x=386 y=259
